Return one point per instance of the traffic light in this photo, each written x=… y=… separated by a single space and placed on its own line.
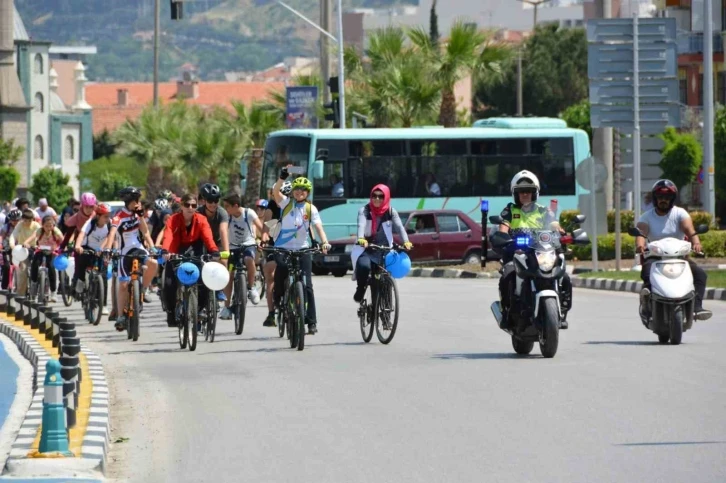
x=334 y=114
x=177 y=9
x=333 y=84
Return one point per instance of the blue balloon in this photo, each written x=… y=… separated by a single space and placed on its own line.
x=398 y=264
x=187 y=273
x=60 y=262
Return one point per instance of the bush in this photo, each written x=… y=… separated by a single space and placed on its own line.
x=567 y=217
x=702 y=218
x=627 y=219
x=9 y=180
x=714 y=246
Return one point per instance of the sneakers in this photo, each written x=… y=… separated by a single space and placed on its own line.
x=703 y=314
x=104 y=311
x=645 y=303
x=121 y=323
x=112 y=316
x=312 y=329
x=564 y=325
x=359 y=294
x=80 y=286
x=53 y=298
x=270 y=320
x=226 y=314
x=147 y=295
x=253 y=296
x=221 y=297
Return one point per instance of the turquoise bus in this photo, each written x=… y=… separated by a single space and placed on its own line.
x=468 y=165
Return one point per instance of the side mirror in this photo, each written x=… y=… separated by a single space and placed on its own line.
x=634 y=231
x=321 y=155
x=579 y=219
x=579 y=237
x=500 y=240
x=701 y=229
x=317 y=170
x=496 y=220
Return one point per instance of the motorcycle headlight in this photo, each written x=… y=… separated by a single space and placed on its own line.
x=546 y=260
x=672 y=270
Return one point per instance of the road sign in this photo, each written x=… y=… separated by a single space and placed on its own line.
x=616 y=60
x=654 y=118
x=647 y=143
x=648 y=165
x=621 y=92
x=621 y=29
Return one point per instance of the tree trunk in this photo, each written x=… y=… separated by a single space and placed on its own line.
x=154 y=181
x=234 y=182
x=254 y=179
x=447 y=111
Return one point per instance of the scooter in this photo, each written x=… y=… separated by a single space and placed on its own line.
x=672 y=294
x=536 y=311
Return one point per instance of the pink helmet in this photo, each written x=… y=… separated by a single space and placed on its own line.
x=88 y=199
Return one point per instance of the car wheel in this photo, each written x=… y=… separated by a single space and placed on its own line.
x=320 y=271
x=473 y=257
x=340 y=273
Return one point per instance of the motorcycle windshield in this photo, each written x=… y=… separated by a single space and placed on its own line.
x=537 y=240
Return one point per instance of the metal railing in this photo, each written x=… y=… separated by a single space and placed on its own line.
x=692 y=42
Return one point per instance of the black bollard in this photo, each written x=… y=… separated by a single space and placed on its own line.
x=4 y=300
x=45 y=325
x=54 y=316
x=10 y=309
x=27 y=316
x=65 y=334
x=71 y=370
x=19 y=308
x=34 y=316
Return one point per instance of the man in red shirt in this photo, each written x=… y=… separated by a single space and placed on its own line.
x=184 y=231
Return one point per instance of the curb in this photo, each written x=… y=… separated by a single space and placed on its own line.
x=633 y=286
x=95 y=444
x=450 y=273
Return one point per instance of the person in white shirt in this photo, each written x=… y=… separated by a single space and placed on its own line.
x=92 y=236
x=242 y=239
x=44 y=210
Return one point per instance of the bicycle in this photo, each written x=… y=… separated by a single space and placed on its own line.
x=64 y=282
x=133 y=304
x=93 y=293
x=39 y=290
x=292 y=307
x=186 y=310
x=384 y=302
x=239 y=287
x=9 y=270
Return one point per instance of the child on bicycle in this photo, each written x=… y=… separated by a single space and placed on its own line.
x=298 y=216
x=24 y=234
x=376 y=221
x=49 y=238
x=92 y=236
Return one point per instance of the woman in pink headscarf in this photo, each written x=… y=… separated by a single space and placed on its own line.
x=376 y=222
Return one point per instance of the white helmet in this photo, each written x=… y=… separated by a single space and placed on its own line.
x=286 y=188
x=524 y=180
x=161 y=204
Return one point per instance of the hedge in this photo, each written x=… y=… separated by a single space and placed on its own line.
x=714 y=246
x=627 y=219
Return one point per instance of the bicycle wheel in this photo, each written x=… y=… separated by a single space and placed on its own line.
x=299 y=320
x=211 y=317
x=183 y=322
x=136 y=305
x=289 y=316
x=365 y=318
x=260 y=282
x=114 y=293
x=386 y=310
x=42 y=285
x=240 y=301
x=65 y=289
x=98 y=301
x=191 y=316
x=88 y=299
x=280 y=323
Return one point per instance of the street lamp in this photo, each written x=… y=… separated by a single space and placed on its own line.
x=535 y=4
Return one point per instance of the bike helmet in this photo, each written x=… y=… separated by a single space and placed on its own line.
x=167 y=195
x=664 y=187
x=161 y=204
x=129 y=194
x=302 y=183
x=210 y=192
x=88 y=199
x=103 y=209
x=286 y=188
x=261 y=203
x=14 y=214
x=524 y=181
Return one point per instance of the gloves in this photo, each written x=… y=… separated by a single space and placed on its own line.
x=283 y=173
x=408 y=245
x=362 y=242
x=326 y=247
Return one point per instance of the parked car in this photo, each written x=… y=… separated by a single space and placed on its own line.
x=438 y=236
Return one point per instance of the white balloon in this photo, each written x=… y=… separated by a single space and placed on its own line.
x=20 y=254
x=71 y=268
x=215 y=276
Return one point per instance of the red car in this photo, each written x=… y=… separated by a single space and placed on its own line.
x=438 y=236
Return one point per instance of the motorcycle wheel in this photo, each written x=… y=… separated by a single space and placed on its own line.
x=663 y=338
x=522 y=347
x=550 y=333
x=676 y=325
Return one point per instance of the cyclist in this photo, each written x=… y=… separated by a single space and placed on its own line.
x=185 y=230
x=92 y=236
x=24 y=234
x=156 y=220
x=297 y=218
x=76 y=222
x=218 y=219
x=376 y=221
x=241 y=233
x=128 y=223
x=271 y=216
x=524 y=213
x=48 y=237
x=165 y=215
x=11 y=221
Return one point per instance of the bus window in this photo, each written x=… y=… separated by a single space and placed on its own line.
x=333 y=182
x=281 y=151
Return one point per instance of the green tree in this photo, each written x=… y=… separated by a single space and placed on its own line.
x=103 y=145
x=720 y=153
x=434 y=25
x=9 y=180
x=51 y=184
x=110 y=184
x=577 y=116
x=121 y=166
x=9 y=152
x=554 y=65
x=681 y=157
x=467 y=51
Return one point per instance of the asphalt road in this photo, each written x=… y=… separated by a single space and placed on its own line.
x=446 y=401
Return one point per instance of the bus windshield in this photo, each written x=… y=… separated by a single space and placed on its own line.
x=281 y=151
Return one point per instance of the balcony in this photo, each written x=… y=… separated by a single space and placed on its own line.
x=692 y=43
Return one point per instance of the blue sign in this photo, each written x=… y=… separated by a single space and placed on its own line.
x=301 y=107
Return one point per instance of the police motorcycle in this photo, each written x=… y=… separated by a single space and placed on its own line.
x=672 y=294
x=539 y=263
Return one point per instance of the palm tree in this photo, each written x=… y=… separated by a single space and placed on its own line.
x=467 y=51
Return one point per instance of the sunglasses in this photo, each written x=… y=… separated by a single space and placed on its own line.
x=378 y=197
x=214 y=202
x=190 y=205
x=76 y=210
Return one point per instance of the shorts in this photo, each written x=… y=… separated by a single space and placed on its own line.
x=124 y=268
x=247 y=252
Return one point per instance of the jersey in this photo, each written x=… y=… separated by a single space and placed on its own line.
x=240 y=228
x=127 y=224
x=295 y=224
x=538 y=218
x=93 y=236
x=665 y=226
x=220 y=216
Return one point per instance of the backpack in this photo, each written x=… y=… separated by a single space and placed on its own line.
x=277 y=225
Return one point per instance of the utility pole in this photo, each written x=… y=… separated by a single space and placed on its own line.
x=157 y=23
x=535 y=4
x=341 y=65
x=325 y=21
x=708 y=116
x=520 y=101
x=602 y=138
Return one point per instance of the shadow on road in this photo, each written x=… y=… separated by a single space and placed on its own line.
x=671 y=443
x=623 y=342
x=279 y=349
x=485 y=355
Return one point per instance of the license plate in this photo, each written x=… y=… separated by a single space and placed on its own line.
x=331 y=259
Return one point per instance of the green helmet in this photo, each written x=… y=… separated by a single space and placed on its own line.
x=302 y=183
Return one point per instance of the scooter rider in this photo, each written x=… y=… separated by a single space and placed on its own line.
x=524 y=213
x=665 y=220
